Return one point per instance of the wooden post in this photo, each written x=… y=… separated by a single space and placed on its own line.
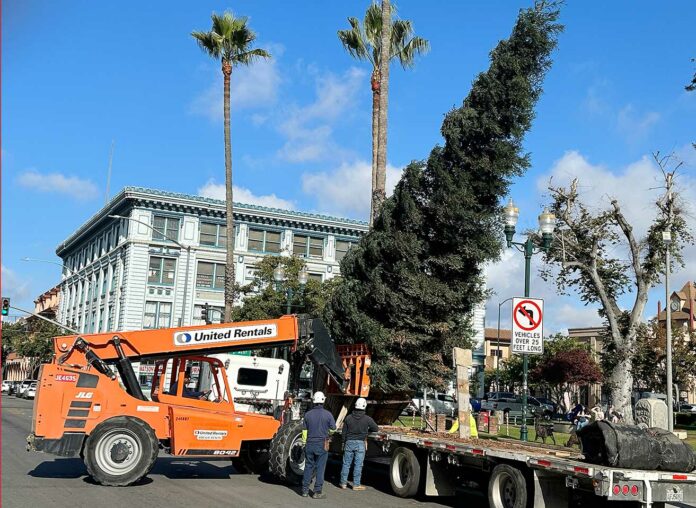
x=462 y=361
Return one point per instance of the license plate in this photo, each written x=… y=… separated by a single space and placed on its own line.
x=675 y=494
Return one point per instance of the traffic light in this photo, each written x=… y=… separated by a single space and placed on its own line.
x=5 y=306
x=205 y=313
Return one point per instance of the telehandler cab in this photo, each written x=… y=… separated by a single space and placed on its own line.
x=89 y=401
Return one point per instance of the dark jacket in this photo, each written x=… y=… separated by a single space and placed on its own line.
x=318 y=422
x=357 y=425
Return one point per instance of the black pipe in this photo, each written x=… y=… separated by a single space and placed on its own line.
x=125 y=369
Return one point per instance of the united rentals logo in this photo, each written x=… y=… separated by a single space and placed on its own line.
x=225 y=334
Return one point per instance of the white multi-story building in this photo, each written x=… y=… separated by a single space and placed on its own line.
x=122 y=275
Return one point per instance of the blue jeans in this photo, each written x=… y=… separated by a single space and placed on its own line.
x=315 y=460
x=354 y=450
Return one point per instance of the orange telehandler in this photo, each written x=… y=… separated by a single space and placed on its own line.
x=89 y=401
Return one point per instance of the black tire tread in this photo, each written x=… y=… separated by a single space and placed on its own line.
x=411 y=489
x=519 y=477
x=279 y=453
x=134 y=476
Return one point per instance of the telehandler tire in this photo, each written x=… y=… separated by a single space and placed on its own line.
x=287 y=458
x=120 y=451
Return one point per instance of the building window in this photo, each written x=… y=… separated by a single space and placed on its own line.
x=94 y=322
x=216 y=314
x=316 y=276
x=264 y=241
x=103 y=282
x=308 y=246
x=110 y=319
x=114 y=278
x=342 y=248
x=168 y=225
x=161 y=270
x=157 y=315
x=210 y=275
x=213 y=234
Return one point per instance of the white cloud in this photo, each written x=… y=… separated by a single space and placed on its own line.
x=58 y=183
x=346 y=190
x=252 y=86
x=243 y=195
x=633 y=125
x=13 y=286
x=308 y=129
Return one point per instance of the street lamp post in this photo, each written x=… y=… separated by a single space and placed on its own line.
x=547 y=223
x=497 y=355
x=188 y=257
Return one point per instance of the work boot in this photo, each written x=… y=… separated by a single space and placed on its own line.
x=318 y=495
x=359 y=487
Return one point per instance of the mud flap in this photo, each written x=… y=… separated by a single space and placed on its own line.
x=549 y=490
x=437 y=479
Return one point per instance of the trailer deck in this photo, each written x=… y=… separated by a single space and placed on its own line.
x=556 y=474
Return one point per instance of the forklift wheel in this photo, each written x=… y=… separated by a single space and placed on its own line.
x=120 y=451
x=287 y=459
x=253 y=458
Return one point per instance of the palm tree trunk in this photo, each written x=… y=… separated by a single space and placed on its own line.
x=230 y=285
x=374 y=83
x=379 y=193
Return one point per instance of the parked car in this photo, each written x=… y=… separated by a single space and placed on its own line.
x=6 y=387
x=549 y=402
x=23 y=387
x=30 y=392
x=687 y=408
x=514 y=406
x=440 y=404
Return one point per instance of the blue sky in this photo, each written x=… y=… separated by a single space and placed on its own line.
x=78 y=75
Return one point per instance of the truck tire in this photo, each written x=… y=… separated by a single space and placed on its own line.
x=508 y=488
x=120 y=451
x=287 y=458
x=404 y=472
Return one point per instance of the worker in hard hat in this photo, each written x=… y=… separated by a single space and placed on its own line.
x=355 y=429
x=318 y=423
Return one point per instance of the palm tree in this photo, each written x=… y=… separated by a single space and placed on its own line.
x=364 y=42
x=230 y=41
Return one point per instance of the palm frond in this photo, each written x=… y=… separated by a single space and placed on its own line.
x=208 y=42
x=407 y=53
x=354 y=41
x=250 y=56
x=373 y=24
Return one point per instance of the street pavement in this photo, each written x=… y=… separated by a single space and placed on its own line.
x=32 y=480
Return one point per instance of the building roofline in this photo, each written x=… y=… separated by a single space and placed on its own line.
x=131 y=192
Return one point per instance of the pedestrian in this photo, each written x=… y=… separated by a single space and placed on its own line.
x=317 y=425
x=355 y=429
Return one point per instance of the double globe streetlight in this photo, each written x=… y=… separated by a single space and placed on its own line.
x=279 y=276
x=547 y=224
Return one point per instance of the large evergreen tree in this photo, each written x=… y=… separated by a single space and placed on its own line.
x=411 y=282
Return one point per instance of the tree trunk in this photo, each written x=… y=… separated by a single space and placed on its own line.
x=374 y=84
x=621 y=386
x=379 y=193
x=230 y=286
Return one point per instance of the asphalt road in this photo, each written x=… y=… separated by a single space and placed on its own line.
x=32 y=480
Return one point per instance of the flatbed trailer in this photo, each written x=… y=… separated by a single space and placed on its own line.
x=519 y=475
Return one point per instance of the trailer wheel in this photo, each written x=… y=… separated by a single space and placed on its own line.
x=404 y=472
x=287 y=455
x=120 y=451
x=507 y=488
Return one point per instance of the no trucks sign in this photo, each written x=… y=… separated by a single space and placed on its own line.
x=527 y=326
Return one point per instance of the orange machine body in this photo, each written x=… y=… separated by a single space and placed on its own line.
x=73 y=397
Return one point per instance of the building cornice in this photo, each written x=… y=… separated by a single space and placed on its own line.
x=215 y=208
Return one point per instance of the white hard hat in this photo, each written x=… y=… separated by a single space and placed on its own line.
x=319 y=398
x=360 y=403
